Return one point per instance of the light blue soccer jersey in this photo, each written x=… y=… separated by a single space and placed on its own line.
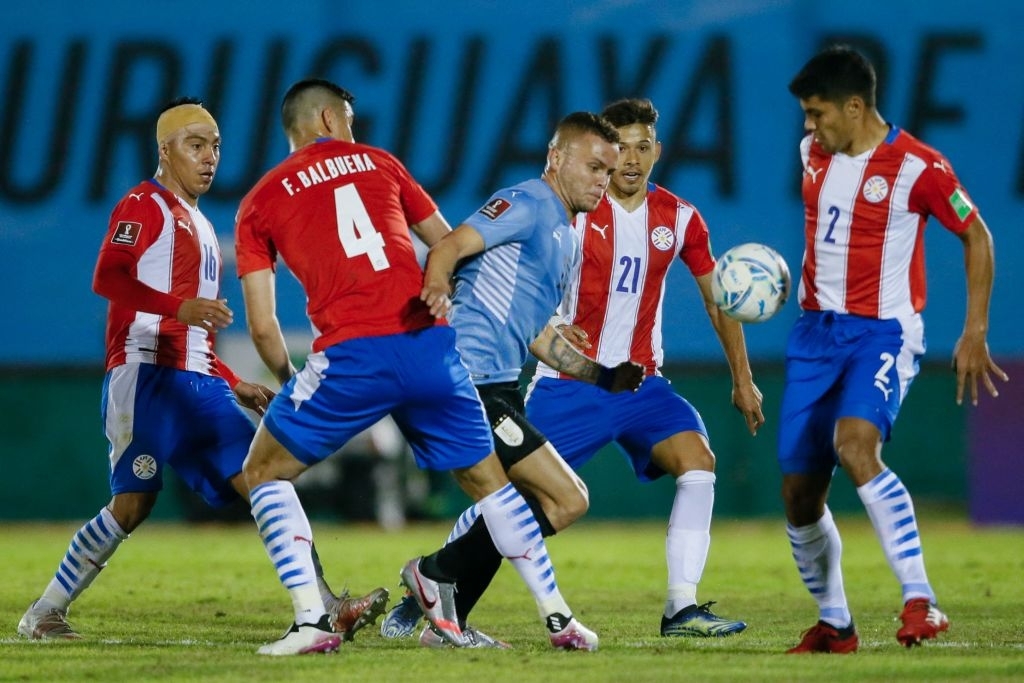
x=506 y=294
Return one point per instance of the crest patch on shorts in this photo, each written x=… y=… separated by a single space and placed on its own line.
x=144 y=466
x=509 y=432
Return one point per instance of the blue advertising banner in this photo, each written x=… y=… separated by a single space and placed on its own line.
x=467 y=94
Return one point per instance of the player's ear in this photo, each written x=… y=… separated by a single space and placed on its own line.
x=854 y=106
x=657 y=149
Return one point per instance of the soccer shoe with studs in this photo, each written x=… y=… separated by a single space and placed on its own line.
x=474 y=638
x=348 y=615
x=699 y=621
x=823 y=637
x=574 y=636
x=436 y=600
x=402 y=619
x=305 y=639
x=921 y=621
x=46 y=624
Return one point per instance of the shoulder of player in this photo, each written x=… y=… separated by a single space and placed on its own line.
x=139 y=203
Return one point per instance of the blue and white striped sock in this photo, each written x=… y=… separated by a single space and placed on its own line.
x=518 y=537
x=288 y=539
x=818 y=552
x=463 y=523
x=87 y=555
x=892 y=513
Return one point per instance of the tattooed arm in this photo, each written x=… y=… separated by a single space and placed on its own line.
x=551 y=348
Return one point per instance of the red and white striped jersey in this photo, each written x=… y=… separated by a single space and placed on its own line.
x=616 y=294
x=864 y=225
x=173 y=250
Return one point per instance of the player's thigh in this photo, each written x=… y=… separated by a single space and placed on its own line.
x=879 y=372
x=656 y=427
x=338 y=393
x=143 y=423
x=577 y=418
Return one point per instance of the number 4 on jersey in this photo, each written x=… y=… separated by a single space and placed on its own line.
x=355 y=230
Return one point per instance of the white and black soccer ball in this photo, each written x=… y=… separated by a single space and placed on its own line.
x=750 y=282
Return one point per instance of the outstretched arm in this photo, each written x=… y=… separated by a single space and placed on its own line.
x=745 y=394
x=556 y=351
x=971 y=359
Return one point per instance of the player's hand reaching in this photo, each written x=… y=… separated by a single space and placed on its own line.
x=253 y=396
x=209 y=314
x=437 y=298
x=747 y=399
x=971 y=362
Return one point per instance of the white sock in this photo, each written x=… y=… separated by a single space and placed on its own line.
x=288 y=539
x=688 y=538
x=892 y=514
x=818 y=552
x=517 y=536
x=87 y=555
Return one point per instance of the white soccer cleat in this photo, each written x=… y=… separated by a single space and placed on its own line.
x=436 y=599
x=305 y=639
x=46 y=624
x=575 y=636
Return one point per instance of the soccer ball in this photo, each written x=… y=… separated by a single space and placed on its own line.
x=750 y=282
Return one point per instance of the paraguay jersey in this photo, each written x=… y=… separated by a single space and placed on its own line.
x=616 y=295
x=175 y=251
x=864 y=225
x=338 y=214
x=505 y=295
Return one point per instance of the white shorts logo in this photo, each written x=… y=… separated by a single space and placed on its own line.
x=662 y=238
x=144 y=466
x=875 y=189
x=509 y=432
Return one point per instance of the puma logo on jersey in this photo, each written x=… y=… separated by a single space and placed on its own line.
x=136 y=195
x=941 y=165
x=184 y=224
x=600 y=228
x=813 y=172
x=886 y=391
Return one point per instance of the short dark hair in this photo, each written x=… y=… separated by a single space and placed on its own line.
x=628 y=111
x=835 y=74
x=290 y=103
x=581 y=122
x=178 y=101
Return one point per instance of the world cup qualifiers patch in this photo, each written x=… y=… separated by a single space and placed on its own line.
x=495 y=208
x=127 y=233
x=961 y=203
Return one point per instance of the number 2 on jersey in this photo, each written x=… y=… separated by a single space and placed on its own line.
x=355 y=229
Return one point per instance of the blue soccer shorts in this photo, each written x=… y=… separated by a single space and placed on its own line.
x=157 y=417
x=580 y=418
x=840 y=365
x=417 y=377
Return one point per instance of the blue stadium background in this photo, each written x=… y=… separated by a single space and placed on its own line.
x=466 y=94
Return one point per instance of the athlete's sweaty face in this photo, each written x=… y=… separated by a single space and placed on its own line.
x=638 y=151
x=583 y=167
x=189 y=160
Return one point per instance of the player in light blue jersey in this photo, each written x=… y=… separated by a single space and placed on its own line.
x=511 y=261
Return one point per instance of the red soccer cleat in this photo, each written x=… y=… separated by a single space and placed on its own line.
x=823 y=637
x=921 y=621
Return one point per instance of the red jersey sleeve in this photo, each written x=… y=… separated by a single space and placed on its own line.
x=135 y=224
x=696 y=251
x=254 y=248
x=938 y=193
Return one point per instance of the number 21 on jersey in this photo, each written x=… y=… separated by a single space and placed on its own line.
x=355 y=229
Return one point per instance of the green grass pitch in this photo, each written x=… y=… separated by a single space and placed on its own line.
x=191 y=603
